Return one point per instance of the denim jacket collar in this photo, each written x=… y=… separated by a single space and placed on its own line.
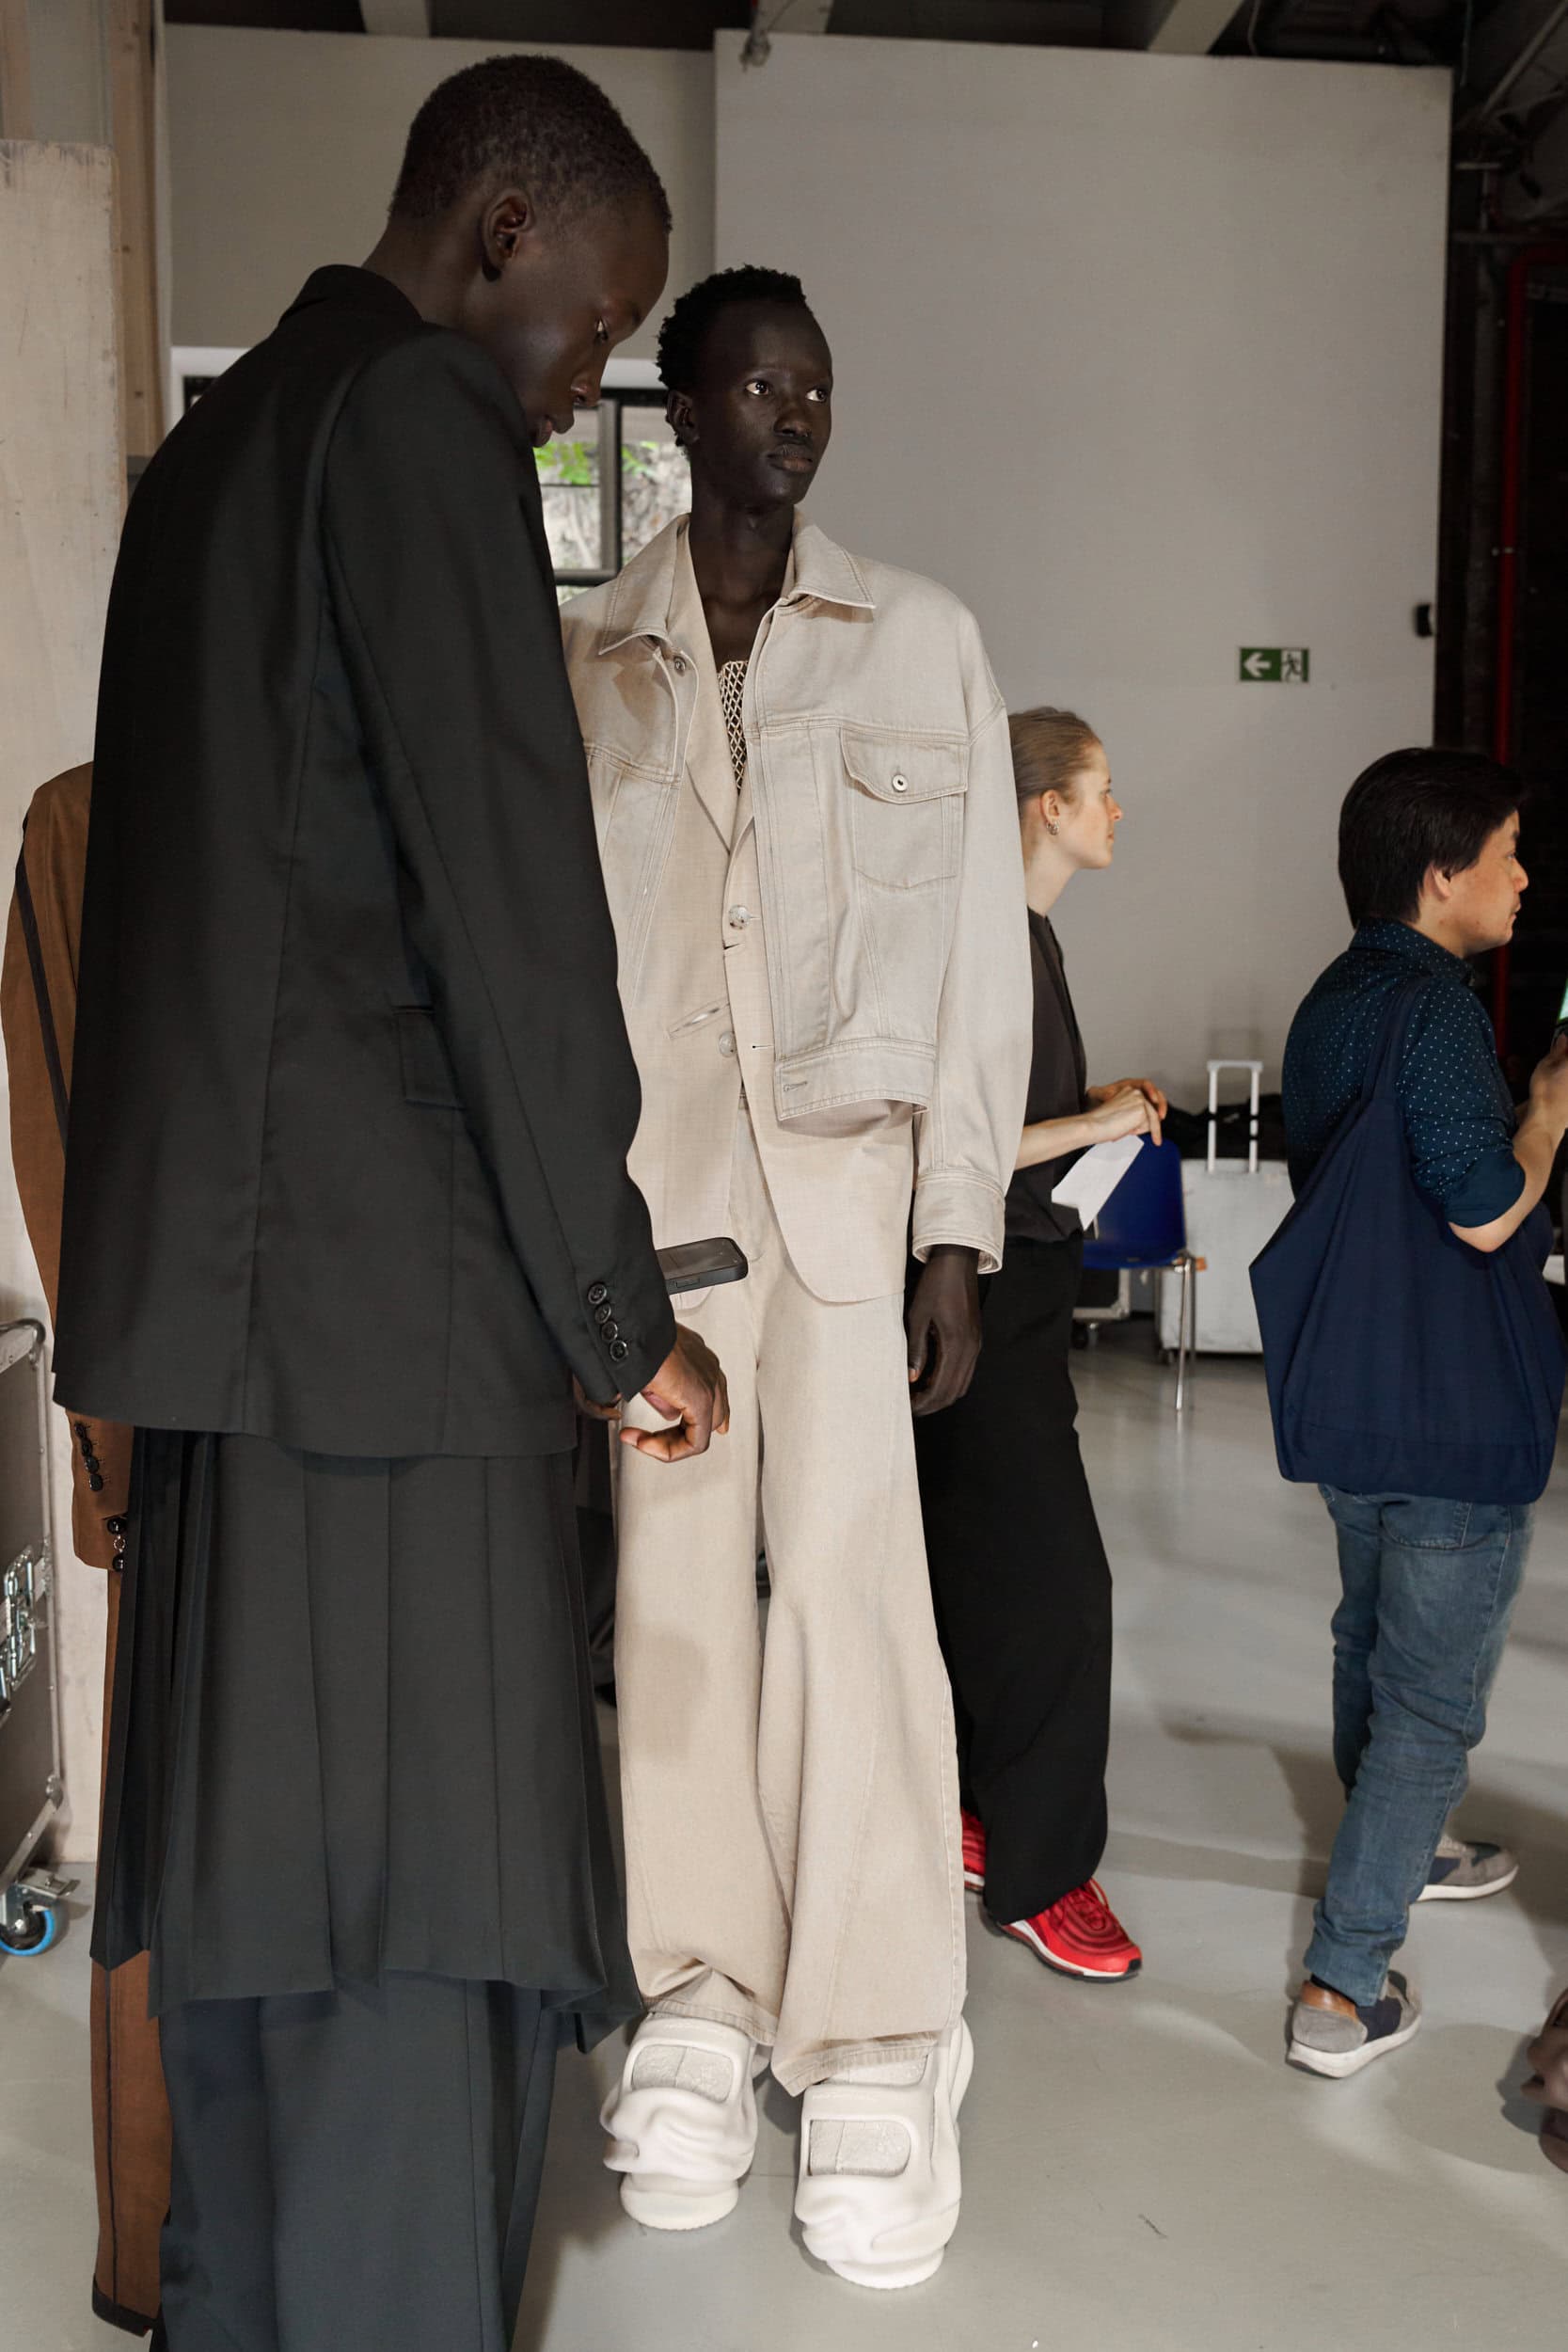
x=644 y=599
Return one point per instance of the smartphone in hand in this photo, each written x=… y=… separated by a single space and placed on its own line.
x=697 y=1265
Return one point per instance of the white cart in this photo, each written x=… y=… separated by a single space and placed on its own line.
x=1233 y=1207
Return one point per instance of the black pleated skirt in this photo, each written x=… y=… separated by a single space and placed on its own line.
x=353 y=1732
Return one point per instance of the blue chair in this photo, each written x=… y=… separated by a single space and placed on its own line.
x=1143 y=1230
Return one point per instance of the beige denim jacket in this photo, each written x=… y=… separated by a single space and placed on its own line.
x=887 y=846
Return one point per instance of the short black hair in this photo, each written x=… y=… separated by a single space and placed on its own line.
x=535 y=120
x=687 y=328
x=1410 y=812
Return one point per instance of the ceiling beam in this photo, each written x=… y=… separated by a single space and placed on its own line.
x=1532 y=69
x=1503 y=34
x=1192 y=27
x=411 y=17
x=1172 y=28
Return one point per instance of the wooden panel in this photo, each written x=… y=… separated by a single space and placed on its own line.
x=130 y=28
x=61 y=473
x=16 y=76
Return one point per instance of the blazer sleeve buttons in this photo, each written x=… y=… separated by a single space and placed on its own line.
x=610 y=1331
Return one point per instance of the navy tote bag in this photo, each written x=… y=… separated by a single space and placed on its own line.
x=1400 y=1360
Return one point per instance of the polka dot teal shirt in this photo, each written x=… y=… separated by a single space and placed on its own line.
x=1459 y=1115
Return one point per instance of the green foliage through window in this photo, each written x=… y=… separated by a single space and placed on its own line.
x=575 y=465
x=568 y=465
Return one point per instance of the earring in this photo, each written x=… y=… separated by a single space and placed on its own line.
x=1052 y=826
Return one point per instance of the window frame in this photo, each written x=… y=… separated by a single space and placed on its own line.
x=616 y=400
x=630 y=385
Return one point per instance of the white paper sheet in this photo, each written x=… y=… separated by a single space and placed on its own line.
x=1090 y=1181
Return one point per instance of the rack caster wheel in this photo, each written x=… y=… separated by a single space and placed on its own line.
x=32 y=1917
x=31 y=1930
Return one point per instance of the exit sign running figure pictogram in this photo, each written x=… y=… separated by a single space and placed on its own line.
x=1275 y=665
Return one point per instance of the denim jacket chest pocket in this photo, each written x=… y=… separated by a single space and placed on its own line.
x=902 y=796
x=906 y=806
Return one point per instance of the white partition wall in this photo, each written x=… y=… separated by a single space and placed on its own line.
x=1141 y=356
x=284 y=147
x=61 y=499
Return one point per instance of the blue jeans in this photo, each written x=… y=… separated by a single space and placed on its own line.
x=1429 y=1588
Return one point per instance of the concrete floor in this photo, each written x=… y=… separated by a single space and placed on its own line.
x=1142 y=2171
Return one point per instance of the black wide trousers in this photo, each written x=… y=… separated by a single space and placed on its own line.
x=354 y=2168
x=1023 y=1589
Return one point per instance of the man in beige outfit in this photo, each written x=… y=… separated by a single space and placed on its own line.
x=803 y=791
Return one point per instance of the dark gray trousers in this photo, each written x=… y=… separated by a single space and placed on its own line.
x=357 y=2168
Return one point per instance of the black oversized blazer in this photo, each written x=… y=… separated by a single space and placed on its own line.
x=353 y=1097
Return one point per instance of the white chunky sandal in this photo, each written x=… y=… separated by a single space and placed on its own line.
x=878 y=2190
x=683 y=2124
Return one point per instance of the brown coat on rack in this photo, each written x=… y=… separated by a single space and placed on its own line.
x=38 y=1013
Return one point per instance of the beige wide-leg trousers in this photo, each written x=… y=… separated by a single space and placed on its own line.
x=793 y=1858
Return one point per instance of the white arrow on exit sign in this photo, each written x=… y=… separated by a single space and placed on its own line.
x=1275 y=665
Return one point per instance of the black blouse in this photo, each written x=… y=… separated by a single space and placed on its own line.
x=1057 y=1078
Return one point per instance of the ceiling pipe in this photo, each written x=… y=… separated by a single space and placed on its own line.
x=1492 y=103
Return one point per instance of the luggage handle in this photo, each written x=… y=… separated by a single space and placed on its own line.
x=1257 y=1070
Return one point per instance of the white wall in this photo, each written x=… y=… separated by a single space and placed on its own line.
x=60 y=498
x=1141 y=356
x=284 y=147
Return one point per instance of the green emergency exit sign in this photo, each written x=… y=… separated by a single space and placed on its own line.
x=1275 y=665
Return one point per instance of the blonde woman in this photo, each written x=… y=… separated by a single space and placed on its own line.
x=1019 y=1573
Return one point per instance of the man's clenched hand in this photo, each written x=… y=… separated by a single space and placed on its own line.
x=688 y=1389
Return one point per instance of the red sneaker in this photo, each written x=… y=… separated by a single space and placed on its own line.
x=1079 y=1936
x=974 y=1853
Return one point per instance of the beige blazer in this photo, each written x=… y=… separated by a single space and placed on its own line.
x=855 y=960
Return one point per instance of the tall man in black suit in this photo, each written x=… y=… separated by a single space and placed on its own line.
x=346 y=1212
